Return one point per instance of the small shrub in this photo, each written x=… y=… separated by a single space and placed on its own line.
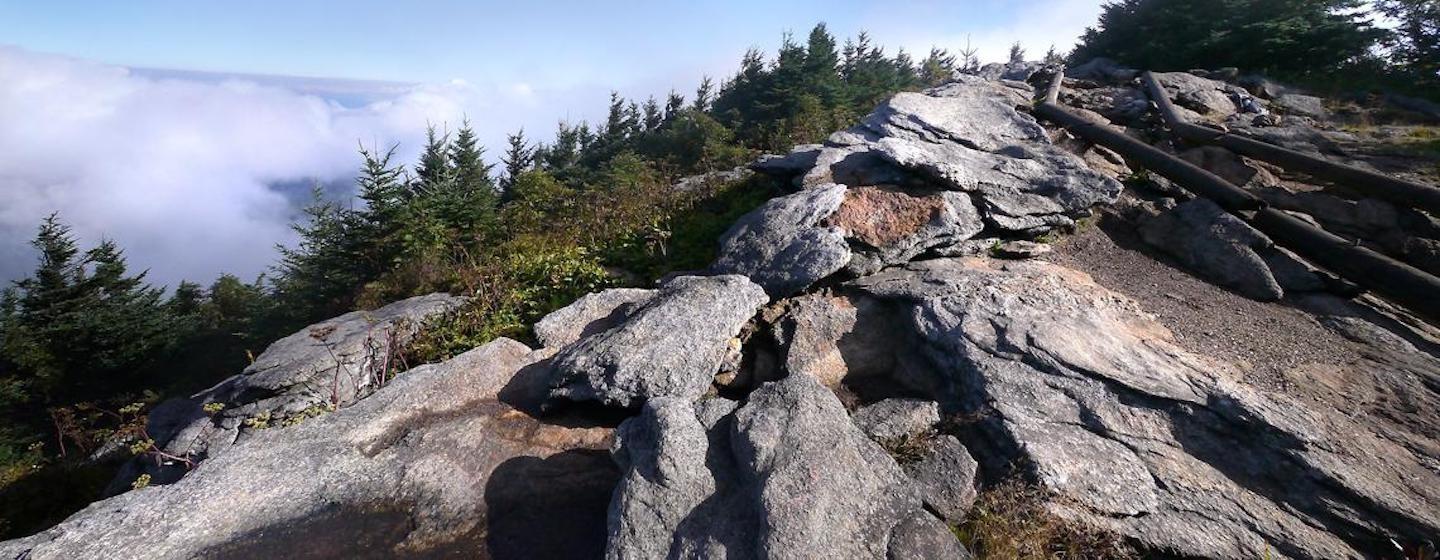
x=1011 y=521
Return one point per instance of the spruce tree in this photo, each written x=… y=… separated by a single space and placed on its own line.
x=702 y=94
x=937 y=68
x=1414 y=44
x=518 y=159
x=82 y=327
x=1288 y=38
x=822 y=75
x=615 y=128
x=1017 y=53
x=466 y=160
x=434 y=167
x=674 y=103
x=653 y=117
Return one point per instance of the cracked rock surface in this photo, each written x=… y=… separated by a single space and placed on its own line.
x=1143 y=438
x=669 y=346
x=785 y=475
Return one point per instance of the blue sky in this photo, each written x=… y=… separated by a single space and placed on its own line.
x=104 y=119
x=546 y=42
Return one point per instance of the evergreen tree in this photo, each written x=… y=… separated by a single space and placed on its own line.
x=969 y=58
x=433 y=171
x=82 y=327
x=702 y=95
x=563 y=152
x=822 y=75
x=938 y=68
x=1054 y=57
x=1414 y=45
x=674 y=103
x=466 y=160
x=518 y=159
x=615 y=121
x=653 y=117
x=1289 y=38
x=906 y=75
x=1017 y=53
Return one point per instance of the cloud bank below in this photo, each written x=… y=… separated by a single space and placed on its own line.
x=180 y=171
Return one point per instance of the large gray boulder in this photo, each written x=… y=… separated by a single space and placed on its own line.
x=1217 y=245
x=888 y=226
x=680 y=495
x=1103 y=70
x=1137 y=436
x=1301 y=105
x=968 y=136
x=946 y=478
x=670 y=346
x=588 y=315
x=893 y=420
x=824 y=490
x=783 y=245
x=302 y=369
x=787 y=475
x=1208 y=98
x=798 y=161
x=437 y=463
x=328 y=365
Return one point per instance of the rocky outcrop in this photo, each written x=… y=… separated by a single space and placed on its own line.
x=966 y=136
x=670 y=346
x=1141 y=437
x=1209 y=98
x=1300 y=105
x=887 y=226
x=1102 y=70
x=839 y=385
x=589 y=315
x=325 y=366
x=1216 y=244
x=435 y=463
x=785 y=475
x=783 y=245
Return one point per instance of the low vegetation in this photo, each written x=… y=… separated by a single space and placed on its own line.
x=1012 y=521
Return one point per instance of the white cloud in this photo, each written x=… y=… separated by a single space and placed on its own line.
x=1036 y=24
x=178 y=171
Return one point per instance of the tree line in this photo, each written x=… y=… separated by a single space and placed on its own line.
x=1328 y=43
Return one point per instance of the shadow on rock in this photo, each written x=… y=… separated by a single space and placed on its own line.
x=550 y=508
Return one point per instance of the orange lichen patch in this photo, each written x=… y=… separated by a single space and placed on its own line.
x=880 y=216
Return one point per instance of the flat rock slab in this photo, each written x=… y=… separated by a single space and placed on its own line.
x=434 y=464
x=1139 y=436
x=670 y=346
